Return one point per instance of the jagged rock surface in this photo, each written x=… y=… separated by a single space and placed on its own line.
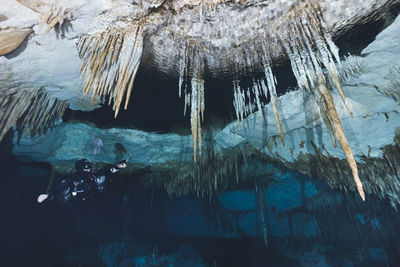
x=218 y=30
x=298 y=122
x=373 y=127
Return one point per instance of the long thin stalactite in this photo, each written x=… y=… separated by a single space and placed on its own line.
x=315 y=51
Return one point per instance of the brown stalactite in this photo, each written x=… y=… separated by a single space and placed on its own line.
x=339 y=131
x=110 y=61
x=278 y=122
x=323 y=111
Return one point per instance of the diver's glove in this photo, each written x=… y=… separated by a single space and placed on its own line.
x=42 y=198
x=119 y=165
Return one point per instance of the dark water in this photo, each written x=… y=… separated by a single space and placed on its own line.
x=55 y=234
x=131 y=225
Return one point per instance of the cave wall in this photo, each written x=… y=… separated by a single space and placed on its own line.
x=370 y=84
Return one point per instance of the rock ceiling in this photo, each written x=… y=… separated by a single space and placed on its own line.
x=76 y=53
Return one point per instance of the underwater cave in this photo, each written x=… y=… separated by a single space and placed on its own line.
x=255 y=133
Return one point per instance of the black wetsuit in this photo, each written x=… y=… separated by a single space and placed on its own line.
x=83 y=185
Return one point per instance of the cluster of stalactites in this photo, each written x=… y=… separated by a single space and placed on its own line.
x=194 y=98
x=313 y=57
x=50 y=12
x=243 y=101
x=271 y=85
x=32 y=110
x=309 y=52
x=350 y=68
x=246 y=101
x=110 y=61
x=214 y=172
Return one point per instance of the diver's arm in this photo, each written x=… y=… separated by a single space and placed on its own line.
x=63 y=187
x=119 y=165
x=111 y=168
x=48 y=195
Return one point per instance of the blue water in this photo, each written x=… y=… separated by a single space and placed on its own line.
x=133 y=226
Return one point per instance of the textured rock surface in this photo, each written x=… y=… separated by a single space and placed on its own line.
x=220 y=29
x=10 y=39
x=48 y=60
x=371 y=94
x=69 y=142
x=300 y=218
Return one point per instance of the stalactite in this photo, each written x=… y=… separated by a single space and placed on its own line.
x=339 y=131
x=194 y=116
x=238 y=102
x=216 y=170
x=272 y=92
x=260 y=196
x=258 y=93
x=31 y=110
x=270 y=87
x=327 y=51
x=351 y=67
x=310 y=49
x=187 y=101
x=110 y=61
x=197 y=112
x=191 y=64
x=182 y=65
x=244 y=102
x=184 y=72
x=42 y=113
x=324 y=111
x=50 y=12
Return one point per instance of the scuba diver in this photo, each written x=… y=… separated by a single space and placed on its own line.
x=84 y=183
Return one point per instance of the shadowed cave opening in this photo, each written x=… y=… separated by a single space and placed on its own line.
x=156 y=106
x=355 y=40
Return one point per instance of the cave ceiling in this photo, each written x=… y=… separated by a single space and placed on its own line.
x=81 y=55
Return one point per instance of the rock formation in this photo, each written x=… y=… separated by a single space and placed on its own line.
x=191 y=41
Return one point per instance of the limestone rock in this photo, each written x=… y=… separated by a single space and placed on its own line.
x=11 y=39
